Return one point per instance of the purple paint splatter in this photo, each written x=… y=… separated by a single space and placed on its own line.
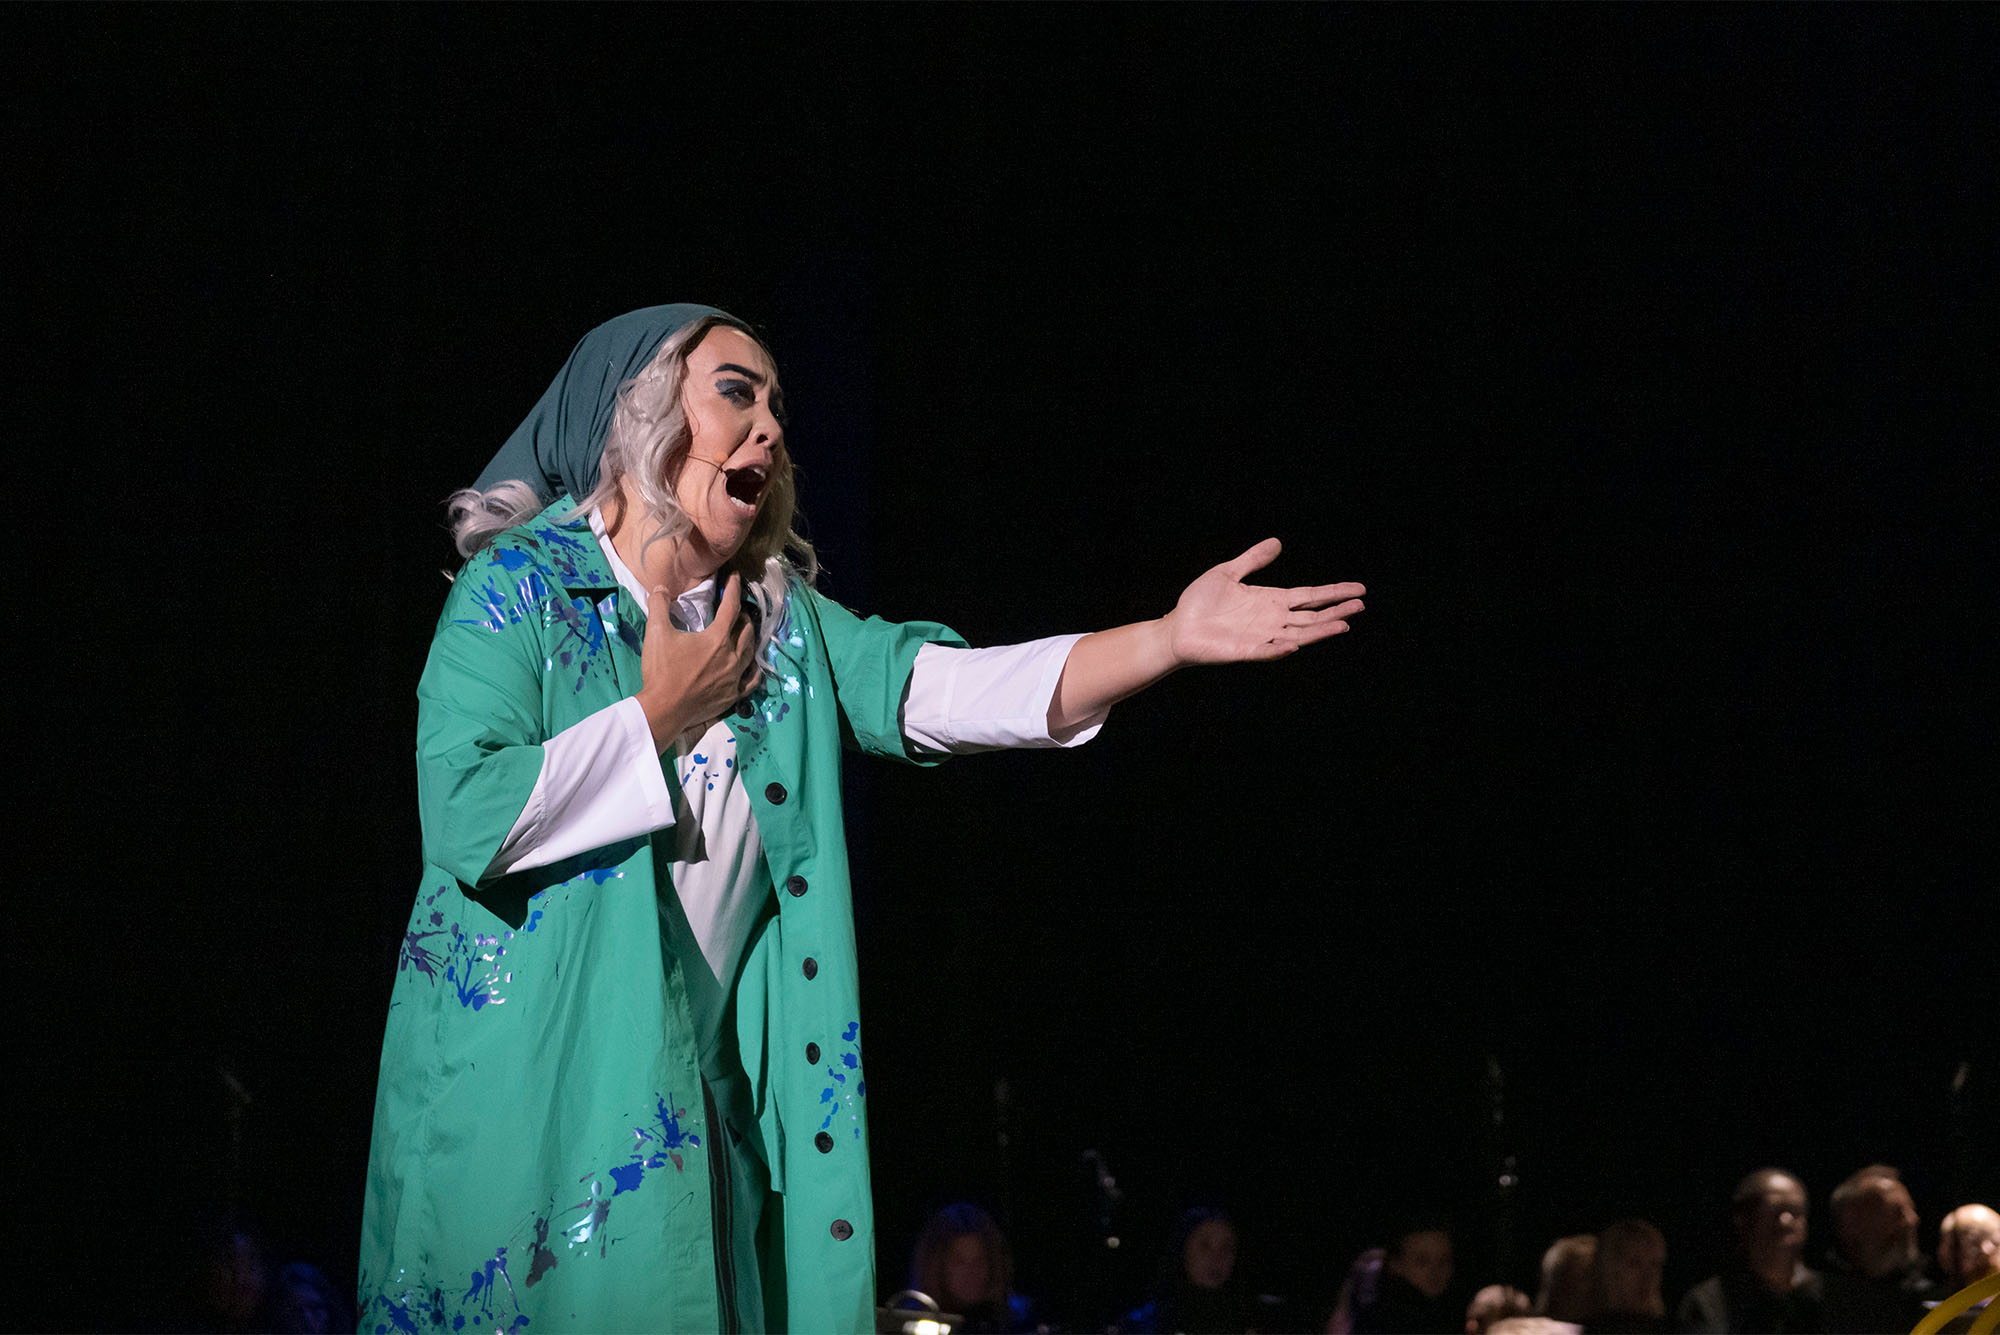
x=417 y=956
x=543 y=1260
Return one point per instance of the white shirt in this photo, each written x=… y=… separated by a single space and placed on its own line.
x=603 y=782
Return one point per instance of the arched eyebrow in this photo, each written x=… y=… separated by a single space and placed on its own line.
x=743 y=371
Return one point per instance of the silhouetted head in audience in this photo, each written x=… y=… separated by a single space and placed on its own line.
x=1626 y=1271
x=1494 y=1303
x=1208 y=1248
x=1566 y=1278
x=1196 y=1288
x=962 y=1260
x=1969 y=1245
x=1768 y=1212
x=1421 y=1256
x=1875 y=1223
x=1414 y=1293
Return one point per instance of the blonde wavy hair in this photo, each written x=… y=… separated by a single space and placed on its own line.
x=649 y=442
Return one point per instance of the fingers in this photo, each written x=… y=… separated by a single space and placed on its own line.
x=657 y=603
x=744 y=654
x=1322 y=595
x=1295 y=636
x=1256 y=558
x=729 y=607
x=1319 y=616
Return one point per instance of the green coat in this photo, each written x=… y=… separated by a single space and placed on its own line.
x=541 y=1148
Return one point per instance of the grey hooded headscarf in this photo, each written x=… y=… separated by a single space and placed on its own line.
x=557 y=449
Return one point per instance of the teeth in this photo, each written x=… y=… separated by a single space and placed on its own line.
x=752 y=482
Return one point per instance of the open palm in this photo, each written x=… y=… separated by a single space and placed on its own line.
x=1220 y=619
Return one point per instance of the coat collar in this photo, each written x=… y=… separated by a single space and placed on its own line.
x=573 y=553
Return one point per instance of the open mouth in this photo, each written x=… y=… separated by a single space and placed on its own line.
x=744 y=485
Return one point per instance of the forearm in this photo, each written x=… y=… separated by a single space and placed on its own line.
x=1107 y=667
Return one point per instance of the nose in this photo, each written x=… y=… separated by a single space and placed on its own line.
x=767 y=430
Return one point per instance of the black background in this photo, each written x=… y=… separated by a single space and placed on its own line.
x=1639 y=360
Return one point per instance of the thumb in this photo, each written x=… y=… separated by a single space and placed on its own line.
x=1256 y=558
x=658 y=605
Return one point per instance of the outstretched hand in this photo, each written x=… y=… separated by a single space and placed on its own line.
x=1221 y=619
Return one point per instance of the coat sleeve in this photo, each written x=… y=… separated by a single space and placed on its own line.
x=871 y=660
x=480 y=723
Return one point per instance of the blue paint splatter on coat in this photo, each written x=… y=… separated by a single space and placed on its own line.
x=490 y=1293
x=399 y=1316
x=838 y=1095
x=666 y=1133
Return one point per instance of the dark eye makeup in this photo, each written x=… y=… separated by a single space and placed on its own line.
x=737 y=391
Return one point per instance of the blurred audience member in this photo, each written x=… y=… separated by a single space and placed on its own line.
x=1968 y=1251
x=1968 y=1246
x=1197 y=1292
x=1767 y=1288
x=306 y=1302
x=1622 y=1288
x=1876 y=1279
x=1493 y=1303
x=963 y=1263
x=225 y=1280
x=1416 y=1271
x=1358 y=1290
x=1566 y=1278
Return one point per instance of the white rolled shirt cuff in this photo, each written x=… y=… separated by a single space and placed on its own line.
x=965 y=700
x=601 y=783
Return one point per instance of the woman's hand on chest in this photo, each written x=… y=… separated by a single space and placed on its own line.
x=691 y=678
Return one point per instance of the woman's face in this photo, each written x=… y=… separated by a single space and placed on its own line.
x=1210 y=1254
x=736 y=439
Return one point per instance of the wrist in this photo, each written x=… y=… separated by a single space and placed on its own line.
x=663 y=716
x=1158 y=640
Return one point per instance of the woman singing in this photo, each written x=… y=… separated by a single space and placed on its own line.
x=622 y=1083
